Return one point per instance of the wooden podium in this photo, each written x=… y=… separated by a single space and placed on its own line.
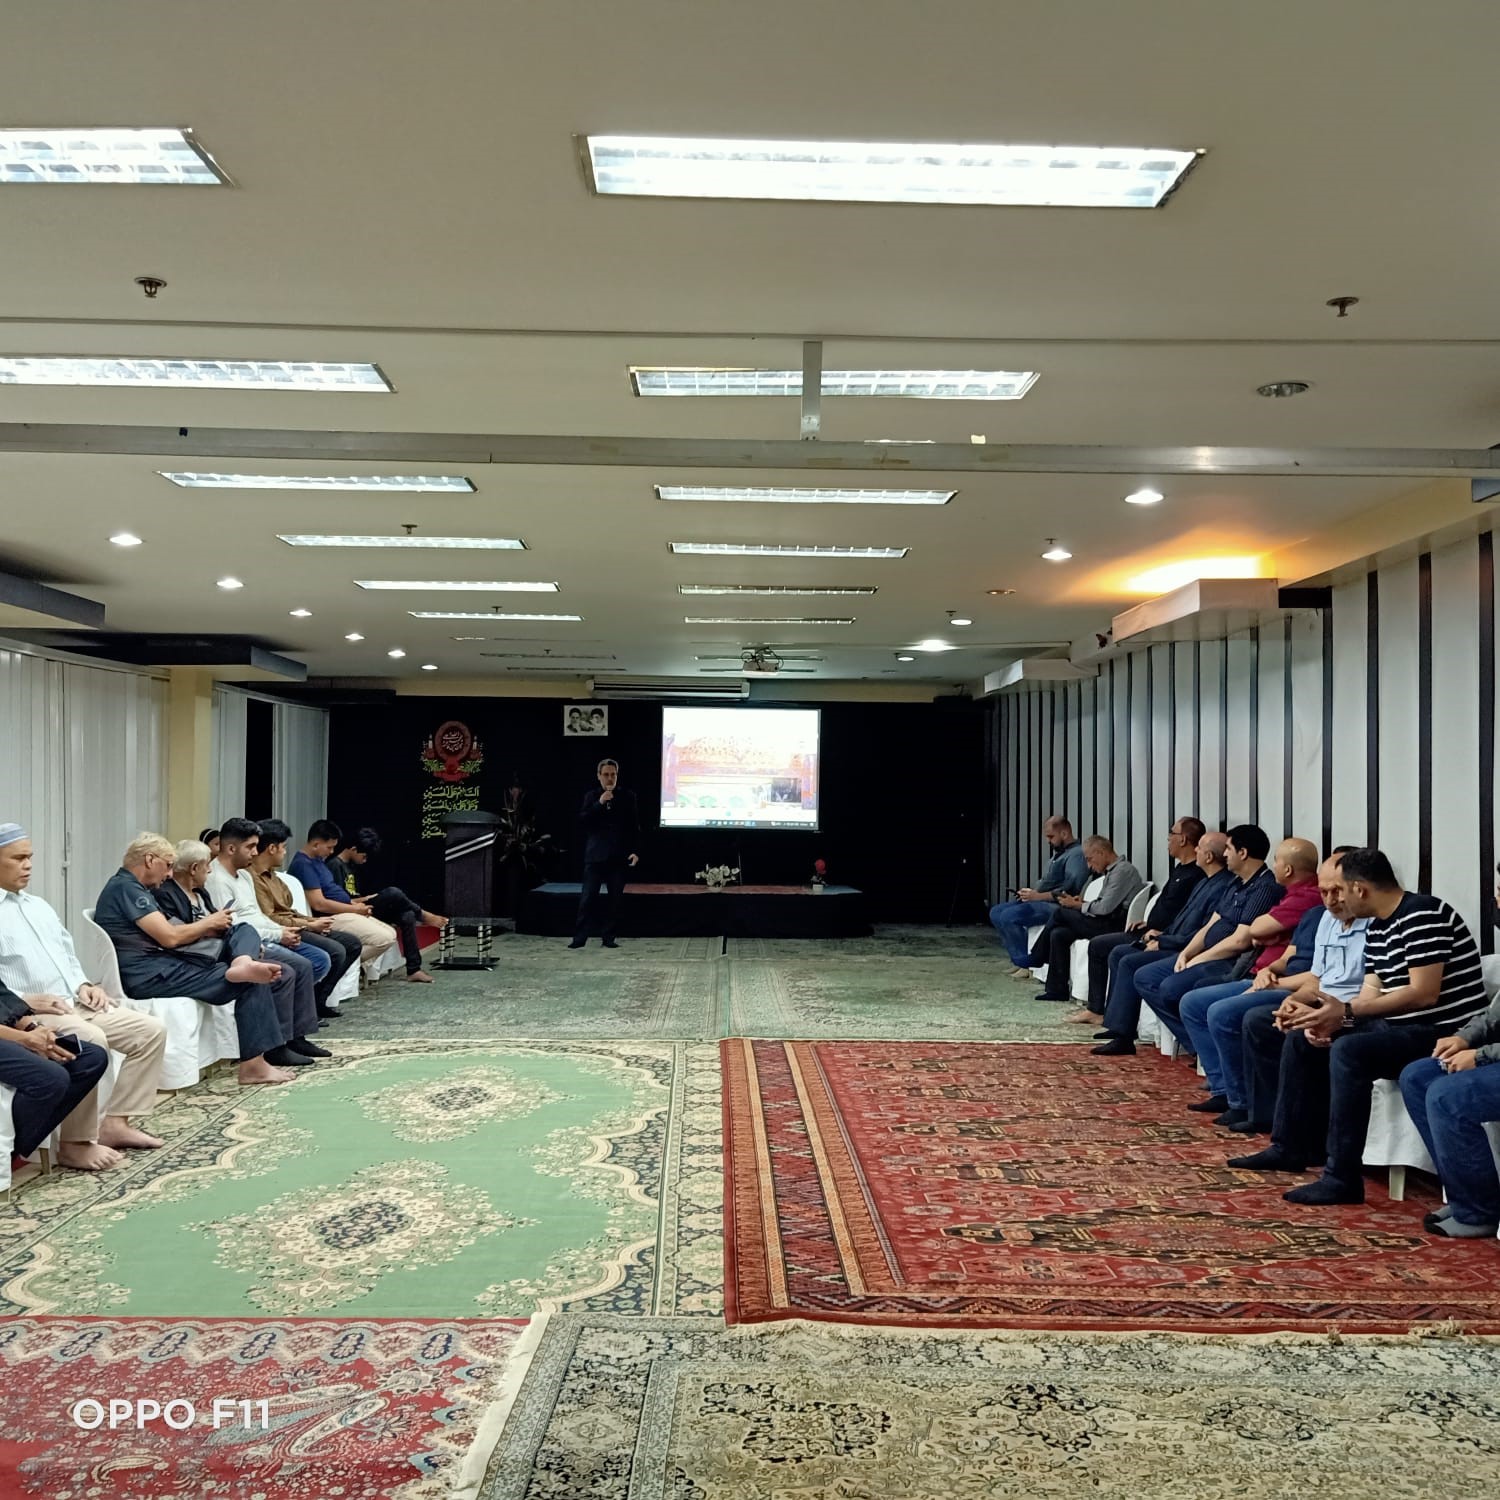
x=469 y=845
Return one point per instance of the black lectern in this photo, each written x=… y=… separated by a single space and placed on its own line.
x=468 y=887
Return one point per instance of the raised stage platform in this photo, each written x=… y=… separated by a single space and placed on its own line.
x=695 y=911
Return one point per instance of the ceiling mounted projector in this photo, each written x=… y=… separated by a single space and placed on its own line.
x=759 y=661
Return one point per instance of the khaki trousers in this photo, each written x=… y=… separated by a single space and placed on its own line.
x=374 y=937
x=142 y=1039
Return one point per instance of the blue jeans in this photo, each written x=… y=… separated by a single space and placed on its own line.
x=1011 y=919
x=1450 y=1109
x=1164 y=989
x=1212 y=1017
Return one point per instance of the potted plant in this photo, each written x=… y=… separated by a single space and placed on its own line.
x=820 y=876
x=520 y=847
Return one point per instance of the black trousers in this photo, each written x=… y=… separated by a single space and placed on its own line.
x=1055 y=944
x=596 y=912
x=342 y=950
x=397 y=908
x=1101 y=949
x=47 y=1092
x=1323 y=1101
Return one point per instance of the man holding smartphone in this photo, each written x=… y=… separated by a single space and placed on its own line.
x=51 y=1074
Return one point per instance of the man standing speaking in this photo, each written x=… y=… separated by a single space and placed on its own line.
x=611 y=825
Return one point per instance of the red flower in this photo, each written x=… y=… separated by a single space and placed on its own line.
x=820 y=867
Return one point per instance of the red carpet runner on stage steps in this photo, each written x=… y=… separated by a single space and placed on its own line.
x=976 y=1184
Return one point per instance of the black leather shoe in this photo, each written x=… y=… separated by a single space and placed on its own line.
x=1104 y=1036
x=307 y=1047
x=1250 y=1127
x=1230 y=1118
x=577 y=942
x=610 y=943
x=329 y=1013
x=284 y=1057
x=1117 y=1047
x=1215 y=1104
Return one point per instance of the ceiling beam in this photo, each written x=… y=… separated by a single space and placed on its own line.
x=734 y=453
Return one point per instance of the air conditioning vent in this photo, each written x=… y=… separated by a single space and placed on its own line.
x=701 y=691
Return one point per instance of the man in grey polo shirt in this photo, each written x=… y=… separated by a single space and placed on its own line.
x=1076 y=919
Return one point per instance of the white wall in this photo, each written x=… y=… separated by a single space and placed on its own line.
x=1405 y=762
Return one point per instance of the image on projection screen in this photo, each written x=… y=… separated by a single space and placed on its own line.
x=739 y=768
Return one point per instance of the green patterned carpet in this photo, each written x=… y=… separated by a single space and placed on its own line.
x=927 y=983
x=683 y=1409
x=425 y=1179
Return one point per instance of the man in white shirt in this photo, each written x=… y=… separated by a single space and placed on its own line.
x=39 y=963
x=230 y=884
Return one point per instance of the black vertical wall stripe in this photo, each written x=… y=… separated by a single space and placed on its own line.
x=1424 y=722
x=1129 y=757
x=1150 y=840
x=1067 y=730
x=1224 y=733
x=1486 y=799
x=1198 y=730
x=1288 y=738
x=1109 y=756
x=1095 y=769
x=1172 y=730
x=1028 y=834
x=1372 y=710
x=1327 y=784
x=1255 y=725
x=1003 y=795
x=1059 y=797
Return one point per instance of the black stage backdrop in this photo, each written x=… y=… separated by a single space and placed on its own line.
x=901 y=789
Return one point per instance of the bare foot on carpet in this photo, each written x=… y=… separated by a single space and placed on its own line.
x=122 y=1135
x=420 y=977
x=260 y=1071
x=246 y=970
x=1085 y=1018
x=82 y=1156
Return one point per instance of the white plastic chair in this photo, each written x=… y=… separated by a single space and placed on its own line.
x=1091 y=890
x=348 y=987
x=198 y=1034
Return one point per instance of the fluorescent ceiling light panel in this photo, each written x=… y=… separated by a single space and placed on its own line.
x=191 y=374
x=777 y=549
x=767 y=589
x=418 y=543
x=409 y=484
x=885 y=171
x=753 y=494
x=491 y=615
x=144 y=157
x=914 y=385
x=456 y=585
x=780 y=620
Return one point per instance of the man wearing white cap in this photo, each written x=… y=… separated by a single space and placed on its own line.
x=38 y=963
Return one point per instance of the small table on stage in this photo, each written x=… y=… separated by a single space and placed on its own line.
x=696 y=911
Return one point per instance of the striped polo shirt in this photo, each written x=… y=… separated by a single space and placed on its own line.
x=1424 y=930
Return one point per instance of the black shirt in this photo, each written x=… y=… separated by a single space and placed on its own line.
x=1174 y=894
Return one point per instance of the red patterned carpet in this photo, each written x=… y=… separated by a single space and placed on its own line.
x=981 y=1184
x=357 y=1410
